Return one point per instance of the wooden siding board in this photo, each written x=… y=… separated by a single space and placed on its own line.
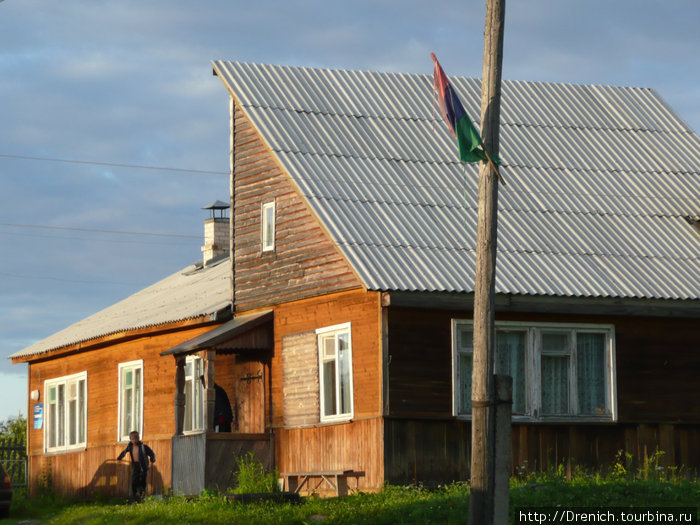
x=656 y=363
x=438 y=451
x=102 y=365
x=352 y=445
x=305 y=262
x=356 y=444
x=300 y=379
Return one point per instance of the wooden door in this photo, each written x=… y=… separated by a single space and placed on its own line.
x=250 y=395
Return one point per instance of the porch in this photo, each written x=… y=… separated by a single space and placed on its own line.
x=222 y=379
x=208 y=460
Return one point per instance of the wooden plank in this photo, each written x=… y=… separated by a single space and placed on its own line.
x=305 y=262
x=344 y=447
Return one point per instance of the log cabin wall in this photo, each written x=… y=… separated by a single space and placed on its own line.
x=656 y=372
x=302 y=442
x=95 y=469
x=304 y=262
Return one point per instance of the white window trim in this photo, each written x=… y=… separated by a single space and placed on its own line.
x=64 y=448
x=268 y=245
x=192 y=359
x=123 y=434
x=532 y=363
x=345 y=327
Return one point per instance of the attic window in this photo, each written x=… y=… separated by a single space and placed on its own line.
x=268 y=226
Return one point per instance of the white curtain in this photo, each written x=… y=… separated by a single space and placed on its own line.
x=555 y=384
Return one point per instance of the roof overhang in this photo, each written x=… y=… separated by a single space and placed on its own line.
x=549 y=304
x=222 y=338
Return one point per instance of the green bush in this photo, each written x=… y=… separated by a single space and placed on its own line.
x=252 y=478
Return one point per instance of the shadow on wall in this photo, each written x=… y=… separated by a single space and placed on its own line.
x=113 y=478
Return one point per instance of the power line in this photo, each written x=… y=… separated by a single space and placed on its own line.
x=112 y=164
x=54 y=237
x=95 y=230
x=44 y=278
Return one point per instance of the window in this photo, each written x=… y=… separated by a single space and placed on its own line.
x=335 y=371
x=559 y=371
x=66 y=413
x=130 y=399
x=194 y=394
x=268 y=226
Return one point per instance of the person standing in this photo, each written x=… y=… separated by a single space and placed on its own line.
x=140 y=455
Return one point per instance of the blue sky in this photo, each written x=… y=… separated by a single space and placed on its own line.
x=130 y=83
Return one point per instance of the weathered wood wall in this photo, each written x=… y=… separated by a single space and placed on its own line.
x=300 y=379
x=94 y=469
x=209 y=461
x=657 y=369
x=305 y=262
x=438 y=450
x=308 y=445
x=657 y=363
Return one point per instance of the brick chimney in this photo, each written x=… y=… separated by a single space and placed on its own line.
x=216 y=232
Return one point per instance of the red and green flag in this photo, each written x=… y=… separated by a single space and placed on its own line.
x=460 y=125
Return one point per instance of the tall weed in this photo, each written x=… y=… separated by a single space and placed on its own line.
x=252 y=478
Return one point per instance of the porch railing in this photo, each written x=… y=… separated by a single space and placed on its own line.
x=209 y=460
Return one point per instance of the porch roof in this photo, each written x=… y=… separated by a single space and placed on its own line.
x=222 y=333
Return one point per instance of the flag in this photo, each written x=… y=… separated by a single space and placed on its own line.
x=458 y=122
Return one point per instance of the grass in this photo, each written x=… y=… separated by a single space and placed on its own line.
x=251 y=477
x=650 y=486
x=446 y=505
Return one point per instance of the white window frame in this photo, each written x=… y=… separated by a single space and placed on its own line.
x=533 y=399
x=66 y=381
x=268 y=242
x=344 y=328
x=123 y=433
x=197 y=410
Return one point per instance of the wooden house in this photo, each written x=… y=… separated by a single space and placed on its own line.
x=353 y=241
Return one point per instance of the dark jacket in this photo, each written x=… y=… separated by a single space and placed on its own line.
x=145 y=452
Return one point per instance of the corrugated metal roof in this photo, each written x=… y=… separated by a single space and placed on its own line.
x=188 y=294
x=599 y=180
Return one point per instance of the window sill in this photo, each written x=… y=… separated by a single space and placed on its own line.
x=553 y=419
x=193 y=432
x=63 y=451
x=336 y=420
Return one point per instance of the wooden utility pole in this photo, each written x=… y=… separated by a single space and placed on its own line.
x=483 y=461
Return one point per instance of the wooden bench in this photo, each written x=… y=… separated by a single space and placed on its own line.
x=336 y=479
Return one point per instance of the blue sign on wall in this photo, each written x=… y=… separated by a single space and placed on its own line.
x=38 y=416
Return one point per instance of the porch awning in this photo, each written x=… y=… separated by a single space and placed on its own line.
x=221 y=334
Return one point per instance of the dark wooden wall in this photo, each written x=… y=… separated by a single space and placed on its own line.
x=439 y=450
x=657 y=369
x=305 y=262
x=658 y=363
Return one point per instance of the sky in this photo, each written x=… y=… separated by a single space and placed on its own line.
x=122 y=88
